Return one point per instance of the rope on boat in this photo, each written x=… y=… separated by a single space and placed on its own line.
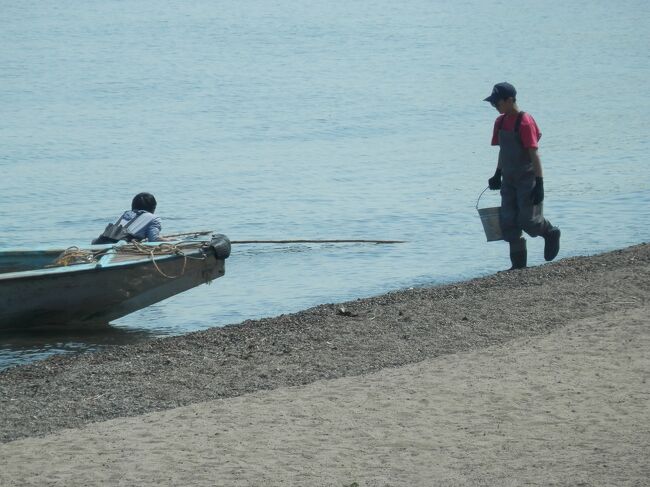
x=73 y=255
x=136 y=248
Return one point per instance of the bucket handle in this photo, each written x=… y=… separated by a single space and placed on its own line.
x=479 y=196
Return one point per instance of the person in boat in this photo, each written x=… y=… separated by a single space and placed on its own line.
x=519 y=177
x=138 y=223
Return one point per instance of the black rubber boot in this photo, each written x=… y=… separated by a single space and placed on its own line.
x=551 y=243
x=518 y=254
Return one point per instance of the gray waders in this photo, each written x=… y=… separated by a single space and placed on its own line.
x=517 y=210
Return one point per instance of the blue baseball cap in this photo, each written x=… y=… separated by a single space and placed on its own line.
x=501 y=91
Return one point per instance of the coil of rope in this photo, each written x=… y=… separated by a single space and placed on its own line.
x=153 y=251
x=74 y=255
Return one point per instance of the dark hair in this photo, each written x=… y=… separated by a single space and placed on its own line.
x=144 y=201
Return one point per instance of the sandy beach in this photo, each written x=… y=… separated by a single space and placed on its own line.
x=532 y=377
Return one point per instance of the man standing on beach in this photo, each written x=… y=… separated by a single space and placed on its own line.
x=519 y=177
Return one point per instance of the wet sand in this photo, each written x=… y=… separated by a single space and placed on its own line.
x=533 y=377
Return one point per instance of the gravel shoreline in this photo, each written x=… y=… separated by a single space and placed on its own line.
x=328 y=341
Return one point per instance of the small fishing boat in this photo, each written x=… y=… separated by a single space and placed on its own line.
x=100 y=283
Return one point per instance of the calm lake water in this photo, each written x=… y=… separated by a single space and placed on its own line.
x=278 y=120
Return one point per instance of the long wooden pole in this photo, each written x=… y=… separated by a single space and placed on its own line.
x=314 y=241
x=205 y=232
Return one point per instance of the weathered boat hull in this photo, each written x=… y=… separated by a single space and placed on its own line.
x=104 y=291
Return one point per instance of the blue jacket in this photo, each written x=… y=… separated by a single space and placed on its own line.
x=149 y=229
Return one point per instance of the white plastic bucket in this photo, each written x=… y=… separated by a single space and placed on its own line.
x=490 y=220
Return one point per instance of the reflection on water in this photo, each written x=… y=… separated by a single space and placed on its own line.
x=21 y=347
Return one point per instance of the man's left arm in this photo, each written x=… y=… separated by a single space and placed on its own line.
x=538 y=189
x=537 y=162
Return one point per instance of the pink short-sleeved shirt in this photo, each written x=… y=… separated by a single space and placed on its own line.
x=528 y=130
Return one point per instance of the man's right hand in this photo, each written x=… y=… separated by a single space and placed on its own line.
x=495 y=181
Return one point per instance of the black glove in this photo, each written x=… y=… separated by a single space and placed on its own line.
x=538 y=191
x=495 y=181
